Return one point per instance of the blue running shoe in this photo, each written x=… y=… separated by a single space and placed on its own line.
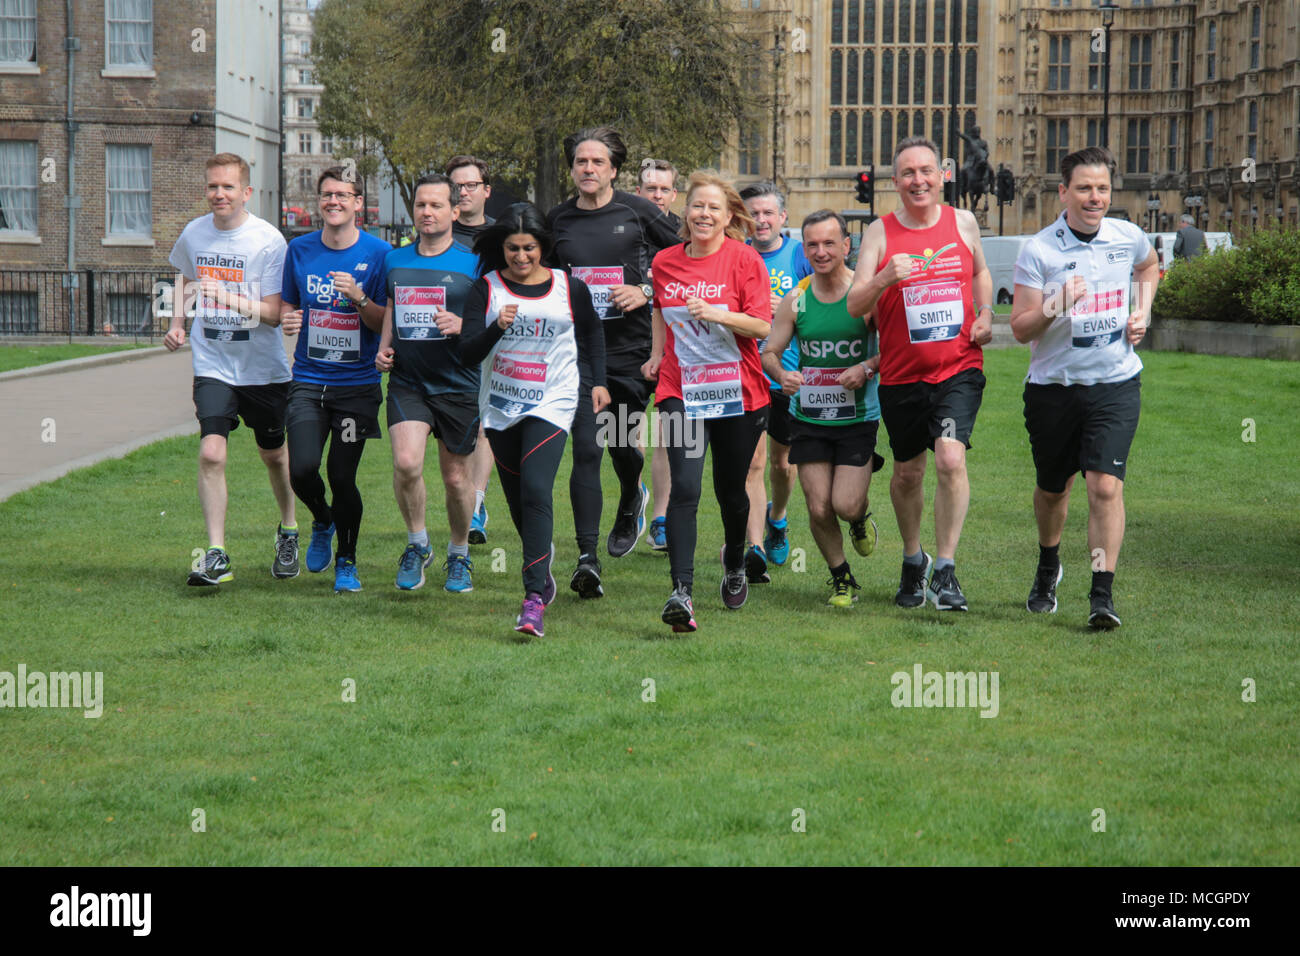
x=659 y=534
x=775 y=542
x=478 y=525
x=411 y=565
x=458 y=569
x=345 y=576
x=321 y=548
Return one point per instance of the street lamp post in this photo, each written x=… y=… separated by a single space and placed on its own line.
x=1107 y=18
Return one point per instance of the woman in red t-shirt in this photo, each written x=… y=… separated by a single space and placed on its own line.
x=712 y=304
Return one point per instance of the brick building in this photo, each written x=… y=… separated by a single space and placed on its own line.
x=104 y=126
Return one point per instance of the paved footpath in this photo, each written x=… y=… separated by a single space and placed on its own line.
x=67 y=415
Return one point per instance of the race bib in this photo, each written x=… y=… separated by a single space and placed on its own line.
x=935 y=311
x=415 y=310
x=601 y=281
x=221 y=323
x=822 y=396
x=1098 y=320
x=712 y=391
x=516 y=385
x=333 y=336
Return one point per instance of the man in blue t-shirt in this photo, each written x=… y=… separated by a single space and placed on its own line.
x=334 y=293
x=429 y=390
x=786 y=265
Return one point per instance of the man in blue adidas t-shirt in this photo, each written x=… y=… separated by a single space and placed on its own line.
x=429 y=389
x=334 y=293
x=786 y=265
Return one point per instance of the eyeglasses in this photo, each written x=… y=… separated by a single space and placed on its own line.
x=338 y=196
x=469 y=187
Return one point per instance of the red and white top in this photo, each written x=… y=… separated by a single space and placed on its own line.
x=714 y=371
x=925 y=320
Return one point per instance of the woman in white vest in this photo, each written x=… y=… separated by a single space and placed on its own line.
x=530 y=326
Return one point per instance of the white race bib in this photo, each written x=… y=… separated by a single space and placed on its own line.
x=333 y=336
x=708 y=357
x=935 y=311
x=1098 y=320
x=601 y=281
x=415 y=311
x=822 y=396
x=517 y=384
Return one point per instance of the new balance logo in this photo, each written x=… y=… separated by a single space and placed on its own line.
x=828 y=413
x=225 y=336
x=713 y=411
x=334 y=355
x=513 y=408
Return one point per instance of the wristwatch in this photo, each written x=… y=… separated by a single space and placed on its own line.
x=647 y=290
x=365 y=301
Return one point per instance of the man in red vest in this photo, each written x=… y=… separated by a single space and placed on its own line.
x=923 y=272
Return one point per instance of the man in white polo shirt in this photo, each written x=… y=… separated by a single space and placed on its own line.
x=1084 y=287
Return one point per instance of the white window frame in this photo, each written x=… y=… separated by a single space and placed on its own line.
x=28 y=65
x=125 y=238
x=9 y=234
x=126 y=70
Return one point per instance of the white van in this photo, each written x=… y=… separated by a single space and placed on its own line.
x=1000 y=253
x=1164 y=245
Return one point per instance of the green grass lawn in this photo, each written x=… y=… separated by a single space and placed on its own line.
x=24 y=356
x=230 y=700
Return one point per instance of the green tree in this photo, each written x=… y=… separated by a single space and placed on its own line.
x=507 y=79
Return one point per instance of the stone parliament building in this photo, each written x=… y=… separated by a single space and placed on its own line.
x=1203 y=105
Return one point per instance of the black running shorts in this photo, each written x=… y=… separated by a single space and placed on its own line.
x=219 y=406
x=341 y=407
x=1081 y=428
x=918 y=414
x=853 y=445
x=453 y=417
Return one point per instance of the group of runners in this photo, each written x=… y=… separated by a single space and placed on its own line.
x=507 y=339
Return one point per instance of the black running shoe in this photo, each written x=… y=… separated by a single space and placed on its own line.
x=911 y=584
x=1102 y=615
x=679 y=612
x=629 y=525
x=944 y=592
x=756 y=566
x=213 y=569
x=285 y=564
x=735 y=584
x=586 y=579
x=1042 y=596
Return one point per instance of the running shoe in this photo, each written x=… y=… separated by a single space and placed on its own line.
x=411 y=565
x=548 y=593
x=1042 y=596
x=775 y=542
x=659 y=534
x=842 y=589
x=458 y=568
x=911 y=585
x=864 y=534
x=214 y=569
x=321 y=548
x=735 y=586
x=586 y=579
x=756 y=566
x=529 y=620
x=680 y=612
x=1101 y=615
x=285 y=564
x=629 y=525
x=478 y=525
x=345 y=576
x=944 y=591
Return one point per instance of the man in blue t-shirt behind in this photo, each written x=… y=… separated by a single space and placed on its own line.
x=334 y=293
x=429 y=390
x=786 y=265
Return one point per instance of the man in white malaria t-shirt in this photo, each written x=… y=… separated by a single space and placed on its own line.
x=231 y=262
x=1084 y=287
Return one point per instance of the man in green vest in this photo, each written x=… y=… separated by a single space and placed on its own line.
x=834 y=410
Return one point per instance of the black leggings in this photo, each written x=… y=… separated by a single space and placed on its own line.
x=528 y=457
x=733 y=440
x=584 y=480
x=306 y=444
